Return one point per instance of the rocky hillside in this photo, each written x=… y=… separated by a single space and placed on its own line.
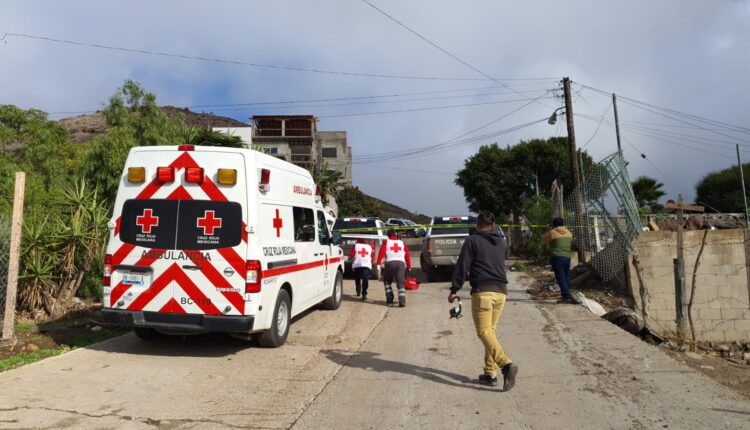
x=83 y=128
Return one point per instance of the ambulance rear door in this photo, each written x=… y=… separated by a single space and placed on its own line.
x=187 y=230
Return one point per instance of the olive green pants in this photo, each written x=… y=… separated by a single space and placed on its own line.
x=486 y=308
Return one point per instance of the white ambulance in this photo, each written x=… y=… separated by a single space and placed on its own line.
x=213 y=239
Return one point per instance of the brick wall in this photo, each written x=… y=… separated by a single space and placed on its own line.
x=721 y=307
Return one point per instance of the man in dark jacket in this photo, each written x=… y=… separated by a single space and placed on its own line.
x=483 y=260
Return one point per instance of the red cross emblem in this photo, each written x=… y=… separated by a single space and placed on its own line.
x=147 y=220
x=364 y=252
x=209 y=222
x=278 y=223
x=395 y=248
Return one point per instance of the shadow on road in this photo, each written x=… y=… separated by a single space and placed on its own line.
x=199 y=345
x=369 y=361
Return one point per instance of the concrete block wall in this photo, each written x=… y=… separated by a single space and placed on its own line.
x=721 y=307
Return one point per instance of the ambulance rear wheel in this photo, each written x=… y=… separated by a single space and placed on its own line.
x=145 y=333
x=282 y=318
x=332 y=303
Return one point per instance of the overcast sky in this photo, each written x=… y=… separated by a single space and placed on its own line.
x=692 y=56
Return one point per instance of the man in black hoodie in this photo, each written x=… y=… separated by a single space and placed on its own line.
x=482 y=259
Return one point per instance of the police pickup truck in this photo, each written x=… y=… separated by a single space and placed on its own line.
x=371 y=229
x=442 y=244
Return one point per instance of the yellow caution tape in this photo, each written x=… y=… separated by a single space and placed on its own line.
x=426 y=227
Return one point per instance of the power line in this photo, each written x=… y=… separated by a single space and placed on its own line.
x=343 y=115
x=447 y=142
x=252 y=64
x=443 y=50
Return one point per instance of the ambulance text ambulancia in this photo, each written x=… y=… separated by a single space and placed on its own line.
x=217 y=239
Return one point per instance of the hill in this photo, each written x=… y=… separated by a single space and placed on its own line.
x=83 y=128
x=352 y=202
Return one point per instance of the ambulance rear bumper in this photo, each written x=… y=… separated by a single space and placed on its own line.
x=188 y=323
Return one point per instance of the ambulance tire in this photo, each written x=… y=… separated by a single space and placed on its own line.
x=277 y=334
x=375 y=273
x=332 y=303
x=145 y=333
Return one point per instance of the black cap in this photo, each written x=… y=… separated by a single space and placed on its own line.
x=558 y=222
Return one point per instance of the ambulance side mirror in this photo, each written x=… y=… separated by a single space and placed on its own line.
x=336 y=239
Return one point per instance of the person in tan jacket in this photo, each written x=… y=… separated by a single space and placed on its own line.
x=560 y=241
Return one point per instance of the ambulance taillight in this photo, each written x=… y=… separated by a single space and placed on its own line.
x=265 y=180
x=136 y=175
x=194 y=175
x=253 y=276
x=165 y=175
x=107 y=271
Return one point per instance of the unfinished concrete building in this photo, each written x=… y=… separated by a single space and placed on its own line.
x=295 y=138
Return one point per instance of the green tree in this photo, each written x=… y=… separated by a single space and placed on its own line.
x=723 y=189
x=133 y=119
x=647 y=192
x=329 y=181
x=500 y=179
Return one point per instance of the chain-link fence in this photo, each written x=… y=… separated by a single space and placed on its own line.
x=4 y=259
x=608 y=222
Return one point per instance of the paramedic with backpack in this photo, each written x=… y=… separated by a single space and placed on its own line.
x=397 y=263
x=362 y=256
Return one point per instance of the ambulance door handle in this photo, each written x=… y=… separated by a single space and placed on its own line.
x=189 y=267
x=318 y=254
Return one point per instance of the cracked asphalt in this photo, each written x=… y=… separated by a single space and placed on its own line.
x=368 y=366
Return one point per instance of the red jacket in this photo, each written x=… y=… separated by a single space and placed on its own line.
x=381 y=254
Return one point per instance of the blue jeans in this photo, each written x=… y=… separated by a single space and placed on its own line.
x=561 y=267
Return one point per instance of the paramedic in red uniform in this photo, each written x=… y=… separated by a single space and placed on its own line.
x=362 y=256
x=397 y=263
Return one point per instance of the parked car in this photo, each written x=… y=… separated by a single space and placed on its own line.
x=402 y=222
x=375 y=235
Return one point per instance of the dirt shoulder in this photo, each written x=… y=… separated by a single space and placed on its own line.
x=731 y=373
x=36 y=341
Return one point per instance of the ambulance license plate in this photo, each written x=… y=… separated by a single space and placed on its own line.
x=132 y=279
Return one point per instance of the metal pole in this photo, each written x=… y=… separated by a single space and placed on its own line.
x=744 y=194
x=572 y=153
x=617 y=123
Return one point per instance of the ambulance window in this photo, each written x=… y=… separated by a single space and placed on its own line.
x=304 y=224
x=181 y=224
x=322 y=229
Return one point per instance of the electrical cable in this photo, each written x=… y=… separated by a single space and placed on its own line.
x=252 y=64
x=445 y=51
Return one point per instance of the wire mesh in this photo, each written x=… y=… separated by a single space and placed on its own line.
x=4 y=259
x=609 y=221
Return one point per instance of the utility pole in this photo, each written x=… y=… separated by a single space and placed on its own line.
x=617 y=123
x=744 y=194
x=572 y=152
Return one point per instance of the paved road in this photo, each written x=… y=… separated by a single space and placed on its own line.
x=366 y=366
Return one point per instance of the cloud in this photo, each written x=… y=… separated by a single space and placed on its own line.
x=694 y=59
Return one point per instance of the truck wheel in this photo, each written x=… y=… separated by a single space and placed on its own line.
x=423 y=264
x=334 y=301
x=375 y=273
x=145 y=333
x=432 y=273
x=282 y=318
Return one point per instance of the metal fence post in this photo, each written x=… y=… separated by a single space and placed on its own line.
x=15 y=251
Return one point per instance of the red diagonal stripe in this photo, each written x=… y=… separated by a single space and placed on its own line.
x=192 y=290
x=234 y=260
x=154 y=289
x=218 y=281
x=179 y=194
x=117 y=226
x=148 y=260
x=120 y=255
x=184 y=160
x=244 y=232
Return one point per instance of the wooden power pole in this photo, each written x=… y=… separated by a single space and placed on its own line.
x=572 y=153
x=15 y=252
